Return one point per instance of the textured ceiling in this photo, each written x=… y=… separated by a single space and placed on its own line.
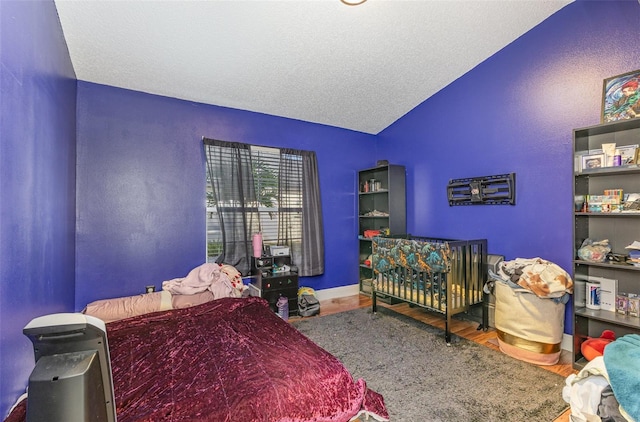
x=355 y=67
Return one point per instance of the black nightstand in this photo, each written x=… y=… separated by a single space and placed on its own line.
x=271 y=285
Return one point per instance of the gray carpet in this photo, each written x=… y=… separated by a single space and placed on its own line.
x=422 y=379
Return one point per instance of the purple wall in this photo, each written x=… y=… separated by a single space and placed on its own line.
x=515 y=113
x=141 y=185
x=37 y=182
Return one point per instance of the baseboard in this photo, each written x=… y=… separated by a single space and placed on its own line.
x=567 y=342
x=337 y=292
x=353 y=289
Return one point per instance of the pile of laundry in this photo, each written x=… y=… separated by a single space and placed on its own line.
x=221 y=280
x=541 y=277
x=608 y=387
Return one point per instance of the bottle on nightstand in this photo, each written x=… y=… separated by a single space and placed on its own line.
x=283 y=308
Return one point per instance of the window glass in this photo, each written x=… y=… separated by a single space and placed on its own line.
x=278 y=191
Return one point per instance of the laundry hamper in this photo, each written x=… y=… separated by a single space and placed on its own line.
x=529 y=328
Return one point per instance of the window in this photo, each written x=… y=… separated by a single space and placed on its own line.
x=273 y=191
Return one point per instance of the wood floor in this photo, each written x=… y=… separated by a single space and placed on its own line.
x=462 y=328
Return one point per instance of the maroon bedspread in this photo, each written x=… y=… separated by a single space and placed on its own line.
x=228 y=360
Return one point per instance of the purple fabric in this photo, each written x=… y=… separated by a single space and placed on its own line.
x=228 y=360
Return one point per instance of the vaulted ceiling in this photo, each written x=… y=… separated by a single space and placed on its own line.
x=355 y=67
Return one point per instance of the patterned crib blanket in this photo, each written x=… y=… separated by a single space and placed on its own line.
x=415 y=254
x=420 y=257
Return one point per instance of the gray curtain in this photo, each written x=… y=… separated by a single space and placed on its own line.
x=229 y=166
x=299 y=173
x=230 y=172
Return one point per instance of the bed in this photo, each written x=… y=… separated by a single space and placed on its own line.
x=440 y=275
x=230 y=359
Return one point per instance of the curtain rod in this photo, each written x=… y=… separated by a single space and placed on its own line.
x=244 y=145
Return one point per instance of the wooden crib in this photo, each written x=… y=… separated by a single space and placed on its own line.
x=440 y=275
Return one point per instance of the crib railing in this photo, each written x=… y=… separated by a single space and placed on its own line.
x=442 y=275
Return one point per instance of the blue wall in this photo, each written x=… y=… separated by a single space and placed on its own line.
x=515 y=113
x=37 y=181
x=140 y=186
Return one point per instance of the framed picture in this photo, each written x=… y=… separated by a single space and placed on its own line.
x=592 y=161
x=627 y=154
x=621 y=97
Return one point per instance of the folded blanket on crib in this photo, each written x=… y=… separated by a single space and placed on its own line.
x=410 y=253
x=622 y=360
